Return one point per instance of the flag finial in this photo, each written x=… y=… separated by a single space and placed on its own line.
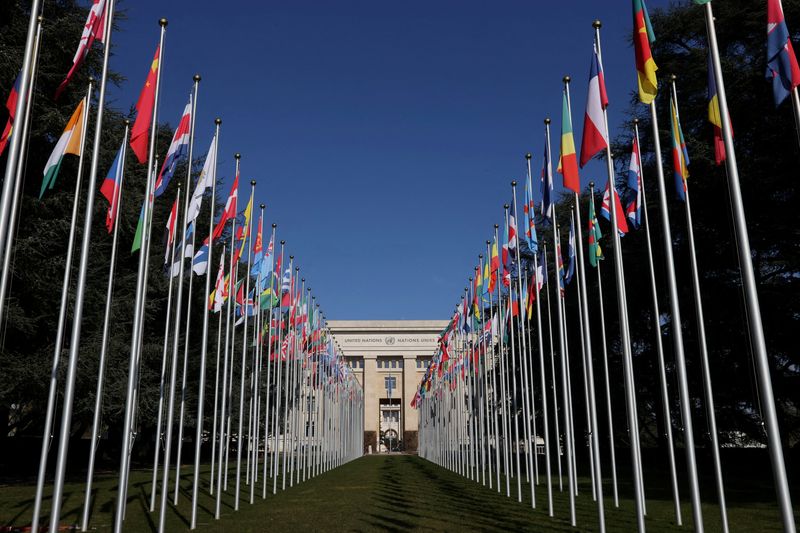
x=274 y=225
x=673 y=77
x=162 y=22
x=480 y=256
x=196 y=77
x=217 y=121
x=528 y=156
x=591 y=184
x=262 y=206
x=566 y=79
x=237 y=155
x=513 y=183
x=126 y=122
x=253 y=183
x=547 y=121
x=636 y=121
x=505 y=206
x=490 y=242
x=597 y=24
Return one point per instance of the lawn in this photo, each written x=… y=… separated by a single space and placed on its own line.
x=388 y=493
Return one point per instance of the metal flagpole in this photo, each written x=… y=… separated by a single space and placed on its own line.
x=278 y=380
x=255 y=395
x=13 y=218
x=503 y=376
x=249 y=230
x=15 y=145
x=225 y=387
x=98 y=403
x=659 y=348
x=570 y=421
x=495 y=401
x=269 y=370
x=159 y=424
x=543 y=386
x=624 y=327
x=595 y=434
x=609 y=412
x=139 y=303
x=72 y=365
x=564 y=379
x=62 y=318
x=216 y=383
x=553 y=373
x=701 y=332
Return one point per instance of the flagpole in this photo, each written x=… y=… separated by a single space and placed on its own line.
x=751 y=291
x=564 y=370
x=14 y=159
x=256 y=393
x=216 y=378
x=62 y=318
x=72 y=368
x=223 y=429
x=543 y=385
x=495 y=414
x=269 y=369
x=98 y=404
x=570 y=420
x=701 y=332
x=553 y=374
x=278 y=379
x=159 y=434
x=249 y=230
x=141 y=295
x=503 y=376
x=627 y=357
x=14 y=216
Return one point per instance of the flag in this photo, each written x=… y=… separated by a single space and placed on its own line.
x=200 y=260
x=204 y=181
x=570 y=253
x=171 y=223
x=494 y=266
x=622 y=224
x=634 y=210
x=137 y=237
x=714 y=116
x=94 y=29
x=243 y=231
x=782 y=68
x=646 y=68
x=217 y=296
x=595 y=136
x=528 y=210
x=567 y=162
x=265 y=270
x=140 y=132
x=258 y=250
x=594 y=236
x=177 y=149
x=547 y=186
x=541 y=271
x=680 y=156
x=111 y=186
x=11 y=106
x=512 y=225
x=560 y=269
x=229 y=212
x=68 y=143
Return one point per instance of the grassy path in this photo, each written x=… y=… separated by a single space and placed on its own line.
x=376 y=493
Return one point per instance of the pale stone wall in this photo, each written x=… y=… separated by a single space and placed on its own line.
x=380 y=343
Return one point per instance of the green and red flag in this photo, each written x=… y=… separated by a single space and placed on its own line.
x=643 y=37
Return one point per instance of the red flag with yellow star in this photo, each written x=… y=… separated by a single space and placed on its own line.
x=140 y=133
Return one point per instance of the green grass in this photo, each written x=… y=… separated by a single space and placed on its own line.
x=389 y=493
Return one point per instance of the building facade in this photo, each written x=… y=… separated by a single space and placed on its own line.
x=389 y=358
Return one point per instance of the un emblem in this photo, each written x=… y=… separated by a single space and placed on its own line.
x=389 y=341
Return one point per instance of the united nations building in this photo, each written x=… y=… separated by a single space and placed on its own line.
x=389 y=358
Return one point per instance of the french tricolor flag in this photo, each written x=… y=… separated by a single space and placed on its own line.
x=595 y=136
x=177 y=149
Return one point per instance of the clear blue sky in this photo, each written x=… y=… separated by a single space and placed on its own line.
x=383 y=136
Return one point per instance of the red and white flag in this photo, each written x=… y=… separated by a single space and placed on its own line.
x=595 y=136
x=171 y=223
x=229 y=212
x=92 y=30
x=622 y=223
x=220 y=287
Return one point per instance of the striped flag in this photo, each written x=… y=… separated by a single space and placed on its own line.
x=634 y=210
x=594 y=236
x=547 y=186
x=111 y=187
x=171 y=223
x=714 y=115
x=622 y=224
x=646 y=68
x=782 y=68
x=570 y=253
x=204 y=181
x=680 y=156
x=11 y=106
x=229 y=213
x=567 y=162
x=595 y=136
x=68 y=143
x=177 y=149
x=528 y=214
x=94 y=29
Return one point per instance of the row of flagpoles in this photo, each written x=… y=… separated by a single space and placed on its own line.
x=299 y=405
x=478 y=398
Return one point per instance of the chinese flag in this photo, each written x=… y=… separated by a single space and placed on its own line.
x=140 y=133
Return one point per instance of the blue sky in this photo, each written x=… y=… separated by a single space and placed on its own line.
x=383 y=136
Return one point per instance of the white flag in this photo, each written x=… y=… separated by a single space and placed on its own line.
x=206 y=179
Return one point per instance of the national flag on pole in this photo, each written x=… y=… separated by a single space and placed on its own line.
x=200 y=260
x=177 y=149
x=646 y=68
x=567 y=161
x=229 y=212
x=494 y=266
x=265 y=270
x=541 y=272
x=94 y=29
x=68 y=143
x=204 y=181
x=594 y=236
x=680 y=156
x=217 y=296
x=171 y=224
x=243 y=231
x=258 y=250
x=634 y=210
x=560 y=269
x=782 y=68
x=546 y=187
x=111 y=186
x=714 y=115
x=595 y=136
x=140 y=132
x=11 y=106
x=622 y=224
x=570 y=253
x=137 y=237
x=512 y=225
x=528 y=214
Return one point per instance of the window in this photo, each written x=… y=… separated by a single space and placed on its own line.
x=380 y=363
x=394 y=363
x=390 y=382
